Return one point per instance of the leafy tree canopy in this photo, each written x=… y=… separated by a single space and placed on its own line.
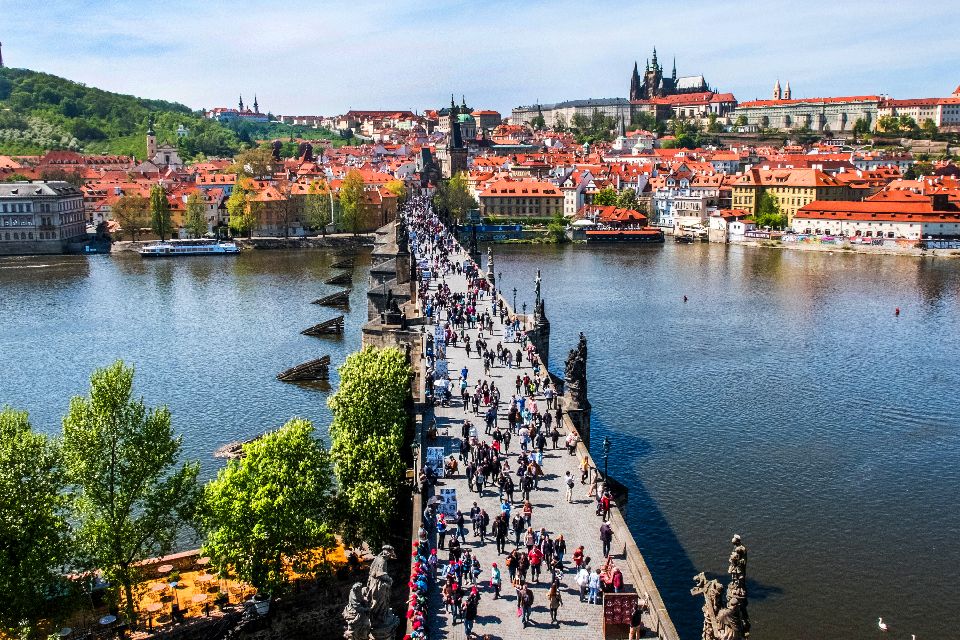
x=270 y=507
x=132 y=494
x=33 y=520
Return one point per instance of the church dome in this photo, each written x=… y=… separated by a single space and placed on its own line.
x=465 y=118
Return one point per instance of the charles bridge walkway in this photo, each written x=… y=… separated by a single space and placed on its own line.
x=576 y=521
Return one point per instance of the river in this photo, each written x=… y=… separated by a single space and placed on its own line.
x=783 y=401
x=207 y=336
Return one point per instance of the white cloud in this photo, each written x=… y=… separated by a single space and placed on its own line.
x=326 y=57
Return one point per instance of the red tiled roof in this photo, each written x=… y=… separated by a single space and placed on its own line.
x=835 y=100
x=877 y=211
x=526 y=188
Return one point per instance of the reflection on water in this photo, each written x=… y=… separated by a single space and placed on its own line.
x=784 y=401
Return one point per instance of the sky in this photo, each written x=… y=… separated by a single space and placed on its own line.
x=323 y=58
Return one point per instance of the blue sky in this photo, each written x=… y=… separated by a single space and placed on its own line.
x=322 y=57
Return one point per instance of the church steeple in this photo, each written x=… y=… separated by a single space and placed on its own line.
x=635 y=84
x=786 y=91
x=256 y=108
x=241 y=102
x=776 y=90
x=655 y=68
x=674 y=68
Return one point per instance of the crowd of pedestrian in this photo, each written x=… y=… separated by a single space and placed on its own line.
x=529 y=414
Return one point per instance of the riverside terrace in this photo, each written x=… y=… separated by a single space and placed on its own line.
x=576 y=521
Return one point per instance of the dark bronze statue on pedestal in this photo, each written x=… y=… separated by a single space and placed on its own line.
x=726 y=618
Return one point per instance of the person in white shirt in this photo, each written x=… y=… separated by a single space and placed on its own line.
x=583 y=581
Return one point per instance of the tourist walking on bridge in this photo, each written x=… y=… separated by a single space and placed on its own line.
x=606 y=537
x=554 y=601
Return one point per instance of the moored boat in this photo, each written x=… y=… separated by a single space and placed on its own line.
x=188 y=248
x=646 y=235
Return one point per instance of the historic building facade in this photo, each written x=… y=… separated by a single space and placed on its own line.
x=40 y=217
x=661 y=96
x=653 y=84
x=826 y=115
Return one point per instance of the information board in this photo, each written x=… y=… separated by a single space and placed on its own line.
x=618 y=608
x=447 y=504
x=435 y=457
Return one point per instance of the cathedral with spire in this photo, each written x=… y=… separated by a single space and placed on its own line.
x=653 y=84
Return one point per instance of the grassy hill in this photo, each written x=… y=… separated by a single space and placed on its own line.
x=39 y=112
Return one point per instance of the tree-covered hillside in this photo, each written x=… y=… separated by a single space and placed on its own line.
x=39 y=111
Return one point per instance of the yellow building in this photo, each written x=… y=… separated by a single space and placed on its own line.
x=791 y=188
x=521 y=198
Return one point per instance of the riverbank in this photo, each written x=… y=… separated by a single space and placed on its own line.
x=330 y=241
x=848 y=248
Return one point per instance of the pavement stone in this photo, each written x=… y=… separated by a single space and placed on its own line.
x=578 y=521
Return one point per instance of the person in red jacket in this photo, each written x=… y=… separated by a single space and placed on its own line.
x=617 y=580
x=536 y=562
x=578 y=557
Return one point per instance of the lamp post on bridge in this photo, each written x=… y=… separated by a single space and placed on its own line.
x=514 y=299
x=606 y=454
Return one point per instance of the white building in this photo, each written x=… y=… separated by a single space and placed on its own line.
x=680 y=205
x=880 y=219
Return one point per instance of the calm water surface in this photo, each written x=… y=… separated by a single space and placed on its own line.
x=207 y=336
x=784 y=402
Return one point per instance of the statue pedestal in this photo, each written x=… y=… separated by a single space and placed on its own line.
x=580 y=416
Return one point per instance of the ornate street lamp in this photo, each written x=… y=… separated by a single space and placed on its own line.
x=606 y=454
x=514 y=299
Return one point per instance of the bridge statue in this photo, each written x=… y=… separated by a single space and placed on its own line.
x=357 y=614
x=383 y=621
x=725 y=618
x=575 y=374
x=537 y=285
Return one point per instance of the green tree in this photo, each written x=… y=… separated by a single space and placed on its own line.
x=131 y=498
x=929 y=128
x=159 y=212
x=196 y=215
x=861 y=127
x=16 y=177
x=557 y=229
x=741 y=121
x=369 y=420
x=33 y=520
x=255 y=163
x=605 y=197
x=132 y=212
x=888 y=124
x=768 y=212
x=243 y=214
x=712 y=125
x=317 y=204
x=907 y=124
x=538 y=123
x=352 y=197
x=270 y=506
x=627 y=199
x=579 y=123
x=453 y=198
x=559 y=123
x=399 y=189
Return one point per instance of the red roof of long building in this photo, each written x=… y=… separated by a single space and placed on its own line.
x=835 y=100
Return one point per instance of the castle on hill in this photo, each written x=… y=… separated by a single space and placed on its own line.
x=653 y=84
